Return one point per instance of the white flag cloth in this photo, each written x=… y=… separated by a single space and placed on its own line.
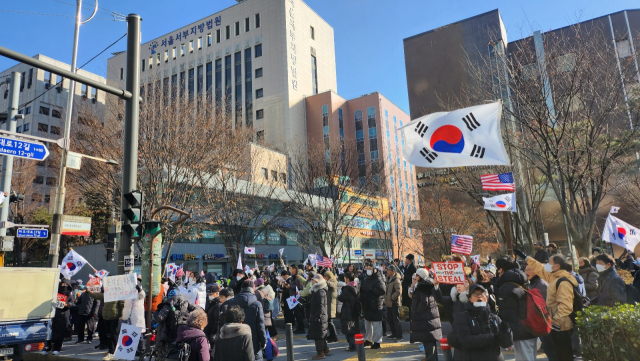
x=2 y=197
x=501 y=203
x=292 y=302
x=614 y=209
x=128 y=342
x=281 y=251
x=102 y=273
x=256 y=265
x=239 y=265
x=172 y=269
x=621 y=233
x=464 y=137
x=312 y=259
x=72 y=263
x=249 y=250
x=475 y=259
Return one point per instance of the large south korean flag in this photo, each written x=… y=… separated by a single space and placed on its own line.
x=463 y=137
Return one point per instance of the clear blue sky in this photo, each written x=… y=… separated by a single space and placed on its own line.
x=368 y=33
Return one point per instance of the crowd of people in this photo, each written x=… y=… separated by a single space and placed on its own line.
x=234 y=319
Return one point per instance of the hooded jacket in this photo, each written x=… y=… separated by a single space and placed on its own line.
x=590 y=276
x=253 y=317
x=611 y=289
x=60 y=323
x=234 y=343
x=349 y=320
x=198 y=343
x=559 y=299
x=332 y=294
x=318 y=318
x=372 y=292
x=213 y=318
x=134 y=311
x=87 y=305
x=425 y=317
x=393 y=295
x=512 y=302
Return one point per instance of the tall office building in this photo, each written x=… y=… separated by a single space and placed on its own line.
x=256 y=59
x=43 y=102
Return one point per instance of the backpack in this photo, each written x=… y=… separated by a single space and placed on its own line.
x=271 y=351
x=177 y=317
x=180 y=351
x=538 y=321
x=579 y=299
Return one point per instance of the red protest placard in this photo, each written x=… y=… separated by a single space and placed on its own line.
x=62 y=298
x=449 y=272
x=94 y=285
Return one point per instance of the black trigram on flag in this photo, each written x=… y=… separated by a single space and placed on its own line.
x=471 y=122
x=421 y=129
x=477 y=151
x=428 y=155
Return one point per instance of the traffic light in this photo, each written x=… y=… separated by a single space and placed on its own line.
x=133 y=214
x=111 y=246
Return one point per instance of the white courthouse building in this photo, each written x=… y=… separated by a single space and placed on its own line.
x=258 y=58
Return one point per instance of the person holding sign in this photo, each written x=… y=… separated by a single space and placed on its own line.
x=111 y=313
x=60 y=323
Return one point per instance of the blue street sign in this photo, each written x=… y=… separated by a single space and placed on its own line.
x=357 y=252
x=32 y=233
x=23 y=149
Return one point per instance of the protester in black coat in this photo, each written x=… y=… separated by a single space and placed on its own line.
x=213 y=312
x=318 y=317
x=87 y=311
x=477 y=332
x=408 y=270
x=541 y=255
x=350 y=314
x=60 y=323
x=425 y=317
x=372 y=291
x=512 y=302
x=240 y=277
x=254 y=315
x=235 y=341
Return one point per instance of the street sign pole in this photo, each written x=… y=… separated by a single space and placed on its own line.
x=131 y=127
x=7 y=160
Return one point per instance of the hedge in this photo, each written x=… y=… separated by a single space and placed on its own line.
x=610 y=333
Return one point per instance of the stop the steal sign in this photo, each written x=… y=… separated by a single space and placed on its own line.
x=451 y=273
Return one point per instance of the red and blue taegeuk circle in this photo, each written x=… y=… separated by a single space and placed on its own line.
x=447 y=139
x=501 y=204
x=71 y=266
x=621 y=232
x=127 y=341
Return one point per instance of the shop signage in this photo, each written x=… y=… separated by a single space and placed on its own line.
x=369 y=253
x=367 y=233
x=263 y=256
x=209 y=257
x=209 y=234
x=183 y=257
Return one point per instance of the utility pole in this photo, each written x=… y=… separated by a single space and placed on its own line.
x=54 y=247
x=7 y=160
x=131 y=127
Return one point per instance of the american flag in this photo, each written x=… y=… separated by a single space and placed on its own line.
x=323 y=261
x=498 y=182
x=180 y=272
x=461 y=244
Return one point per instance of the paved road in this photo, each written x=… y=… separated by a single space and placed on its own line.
x=303 y=350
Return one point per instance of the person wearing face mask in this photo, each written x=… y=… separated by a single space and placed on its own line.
x=213 y=313
x=318 y=317
x=478 y=334
x=372 y=293
x=425 y=317
x=559 y=301
x=611 y=288
x=239 y=278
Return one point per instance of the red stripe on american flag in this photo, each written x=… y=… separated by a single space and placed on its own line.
x=491 y=182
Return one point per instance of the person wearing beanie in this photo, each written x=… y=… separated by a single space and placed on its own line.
x=425 y=317
x=409 y=270
x=254 y=316
x=318 y=320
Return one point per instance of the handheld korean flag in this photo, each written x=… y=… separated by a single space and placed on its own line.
x=464 y=137
x=249 y=250
x=128 y=342
x=614 y=209
x=620 y=233
x=102 y=273
x=72 y=264
x=281 y=251
x=292 y=302
x=475 y=259
x=501 y=203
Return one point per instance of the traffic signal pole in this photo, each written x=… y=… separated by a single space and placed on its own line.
x=7 y=160
x=131 y=127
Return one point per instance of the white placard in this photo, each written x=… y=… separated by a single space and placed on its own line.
x=449 y=272
x=119 y=288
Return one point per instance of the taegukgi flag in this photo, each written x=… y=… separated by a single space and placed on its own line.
x=249 y=250
x=614 y=209
x=501 y=203
x=128 y=342
x=464 y=137
x=72 y=263
x=621 y=233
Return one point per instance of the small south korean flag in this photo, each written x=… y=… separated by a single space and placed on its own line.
x=249 y=250
x=614 y=209
x=292 y=302
x=72 y=264
x=128 y=342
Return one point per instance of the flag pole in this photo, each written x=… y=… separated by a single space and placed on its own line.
x=507 y=232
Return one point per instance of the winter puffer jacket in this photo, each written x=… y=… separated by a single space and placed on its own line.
x=475 y=333
x=372 y=293
x=611 y=289
x=425 y=317
x=590 y=276
x=134 y=311
x=213 y=318
x=332 y=294
x=60 y=323
x=318 y=318
x=393 y=295
x=234 y=343
x=560 y=301
x=86 y=305
x=350 y=321
x=199 y=345
x=512 y=302
x=339 y=303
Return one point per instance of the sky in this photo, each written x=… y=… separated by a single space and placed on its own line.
x=368 y=34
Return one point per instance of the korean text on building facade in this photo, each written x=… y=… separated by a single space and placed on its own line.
x=292 y=45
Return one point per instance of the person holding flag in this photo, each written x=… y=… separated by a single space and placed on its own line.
x=296 y=282
x=60 y=323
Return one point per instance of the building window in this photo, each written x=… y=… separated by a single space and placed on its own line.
x=258 y=50
x=283 y=178
x=182 y=83
x=218 y=82
x=238 y=78
x=44 y=110
x=259 y=93
x=228 y=32
x=36 y=197
x=237 y=28
x=55 y=130
x=43 y=127
x=259 y=73
x=56 y=113
x=314 y=75
x=182 y=49
x=260 y=138
x=200 y=43
x=142 y=65
x=248 y=86
x=227 y=82
x=174 y=53
x=83 y=90
x=209 y=79
x=121 y=73
x=151 y=62
x=209 y=39
x=26 y=126
x=218 y=36
x=257 y=21
x=191 y=46
x=19 y=129
x=247 y=26
x=22 y=80
x=259 y=113
x=51 y=181
x=200 y=80
x=274 y=175
x=94 y=93
x=191 y=83
x=30 y=78
x=265 y=173
x=313 y=33
x=47 y=198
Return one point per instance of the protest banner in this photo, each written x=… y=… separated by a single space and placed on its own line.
x=61 y=300
x=94 y=285
x=119 y=288
x=128 y=342
x=449 y=272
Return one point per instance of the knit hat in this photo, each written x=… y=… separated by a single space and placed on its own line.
x=258 y=282
x=318 y=278
x=213 y=289
x=329 y=274
x=410 y=257
x=423 y=273
x=491 y=268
